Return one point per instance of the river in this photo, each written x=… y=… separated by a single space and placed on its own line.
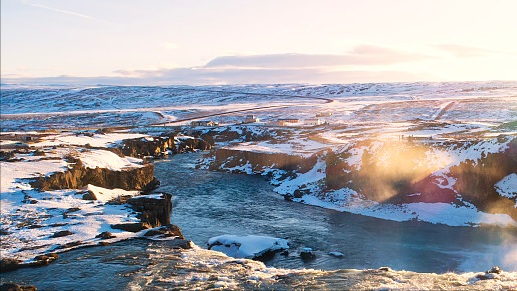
x=207 y=204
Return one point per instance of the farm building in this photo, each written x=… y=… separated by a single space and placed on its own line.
x=287 y=121
x=312 y=121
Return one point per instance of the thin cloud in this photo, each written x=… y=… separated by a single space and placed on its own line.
x=66 y=12
x=206 y=76
x=462 y=51
x=361 y=55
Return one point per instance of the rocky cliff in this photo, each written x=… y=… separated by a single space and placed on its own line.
x=77 y=176
x=458 y=173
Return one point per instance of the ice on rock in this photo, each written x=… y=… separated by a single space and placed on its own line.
x=247 y=246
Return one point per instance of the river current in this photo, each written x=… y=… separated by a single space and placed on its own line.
x=207 y=204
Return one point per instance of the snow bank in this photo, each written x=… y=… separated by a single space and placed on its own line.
x=106 y=159
x=103 y=194
x=98 y=140
x=438 y=213
x=248 y=246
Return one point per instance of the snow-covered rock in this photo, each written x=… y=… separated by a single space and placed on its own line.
x=507 y=187
x=247 y=246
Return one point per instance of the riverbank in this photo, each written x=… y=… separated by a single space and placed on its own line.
x=69 y=191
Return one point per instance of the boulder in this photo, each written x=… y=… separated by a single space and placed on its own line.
x=179 y=244
x=493 y=273
x=105 y=235
x=307 y=254
x=131 y=227
x=167 y=230
x=61 y=233
x=43 y=260
x=8 y=264
x=89 y=195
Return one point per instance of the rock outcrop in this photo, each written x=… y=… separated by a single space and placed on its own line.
x=394 y=173
x=228 y=158
x=79 y=176
x=154 y=211
x=158 y=146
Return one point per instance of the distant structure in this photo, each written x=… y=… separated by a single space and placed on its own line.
x=251 y=119
x=206 y=123
x=287 y=121
x=324 y=114
x=313 y=121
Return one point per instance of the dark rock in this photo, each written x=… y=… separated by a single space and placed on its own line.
x=288 y=197
x=307 y=254
x=10 y=287
x=7 y=264
x=42 y=260
x=62 y=233
x=4 y=232
x=494 y=270
x=486 y=276
x=6 y=156
x=57 y=224
x=179 y=244
x=298 y=193
x=105 y=235
x=167 y=230
x=69 y=245
x=131 y=227
x=72 y=209
x=153 y=185
x=385 y=269
x=89 y=195
x=16 y=287
x=493 y=273
x=153 y=211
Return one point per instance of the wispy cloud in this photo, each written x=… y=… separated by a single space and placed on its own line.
x=462 y=51
x=206 y=76
x=65 y=12
x=361 y=55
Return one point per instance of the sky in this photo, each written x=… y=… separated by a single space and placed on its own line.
x=241 y=42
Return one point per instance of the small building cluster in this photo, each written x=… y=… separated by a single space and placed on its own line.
x=251 y=119
x=206 y=123
x=287 y=121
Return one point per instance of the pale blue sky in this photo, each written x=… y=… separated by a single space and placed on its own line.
x=224 y=41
